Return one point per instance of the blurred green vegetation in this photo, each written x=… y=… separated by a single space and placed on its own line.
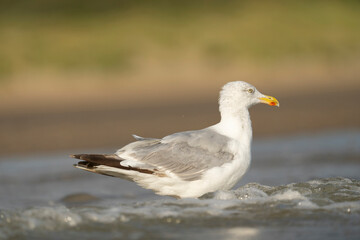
x=116 y=36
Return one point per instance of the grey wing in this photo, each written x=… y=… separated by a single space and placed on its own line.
x=187 y=155
x=187 y=162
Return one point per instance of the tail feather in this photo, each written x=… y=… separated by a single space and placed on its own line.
x=90 y=161
x=110 y=160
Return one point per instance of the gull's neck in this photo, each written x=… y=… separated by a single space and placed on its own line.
x=235 y=125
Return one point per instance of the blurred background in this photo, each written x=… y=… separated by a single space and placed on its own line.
x=88 y=74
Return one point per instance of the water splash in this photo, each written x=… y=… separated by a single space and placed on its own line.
x=252 y=204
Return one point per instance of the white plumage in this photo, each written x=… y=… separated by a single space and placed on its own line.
x=189 y=164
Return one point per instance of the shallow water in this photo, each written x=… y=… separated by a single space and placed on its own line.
x=303 y=187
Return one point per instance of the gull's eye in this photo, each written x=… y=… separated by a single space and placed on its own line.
x=250 y=90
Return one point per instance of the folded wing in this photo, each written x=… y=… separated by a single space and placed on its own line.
x=186 y=155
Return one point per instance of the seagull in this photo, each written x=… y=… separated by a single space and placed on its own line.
x=192 y=163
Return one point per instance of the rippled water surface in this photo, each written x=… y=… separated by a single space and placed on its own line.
x=302 y=187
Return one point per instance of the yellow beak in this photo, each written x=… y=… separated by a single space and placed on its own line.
x=270 y=100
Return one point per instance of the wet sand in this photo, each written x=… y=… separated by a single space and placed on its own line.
x=110 y=125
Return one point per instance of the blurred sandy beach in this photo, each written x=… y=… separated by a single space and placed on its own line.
x=75 y=76
x=93 y=122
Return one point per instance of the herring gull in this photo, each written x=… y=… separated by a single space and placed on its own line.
x=192 y=163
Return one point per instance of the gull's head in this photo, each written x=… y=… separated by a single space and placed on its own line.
x=238 y=95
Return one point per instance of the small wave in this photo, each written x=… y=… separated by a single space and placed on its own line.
x=252 y=203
